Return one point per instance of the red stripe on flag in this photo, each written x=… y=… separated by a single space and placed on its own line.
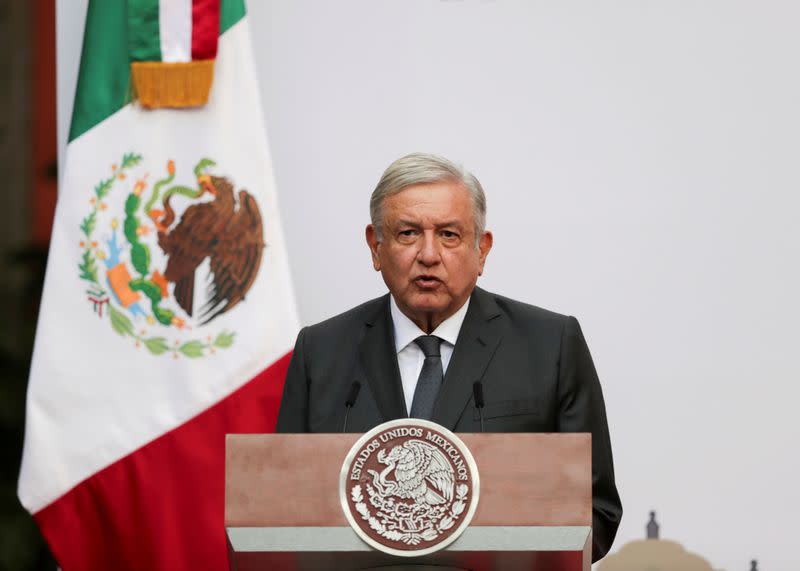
x=162 y=507
x=205 y=28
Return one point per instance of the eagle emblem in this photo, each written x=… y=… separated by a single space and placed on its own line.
x=421 y=473
x=144 y=248
x=409 y=487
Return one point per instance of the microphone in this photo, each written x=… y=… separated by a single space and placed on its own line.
x=351 y=400
x=477 y=396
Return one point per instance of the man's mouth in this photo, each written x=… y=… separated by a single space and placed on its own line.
x=427 y=282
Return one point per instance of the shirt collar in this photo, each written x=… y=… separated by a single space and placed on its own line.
x=405 y=330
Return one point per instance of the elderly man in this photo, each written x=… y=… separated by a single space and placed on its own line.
x=418 y=350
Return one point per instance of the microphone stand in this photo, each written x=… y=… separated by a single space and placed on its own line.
x=477 y=395
x=351 y=400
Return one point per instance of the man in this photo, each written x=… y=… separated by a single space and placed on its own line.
x=418 y=350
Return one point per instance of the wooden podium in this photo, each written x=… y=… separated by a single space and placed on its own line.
x=283 y=512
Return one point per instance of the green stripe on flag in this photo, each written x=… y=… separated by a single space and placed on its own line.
x=104 y=75
x=144 y=40
x=230 y=12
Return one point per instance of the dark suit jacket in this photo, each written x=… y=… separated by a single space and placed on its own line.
x=535 y=367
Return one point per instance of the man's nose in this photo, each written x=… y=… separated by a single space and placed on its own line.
x=429 y=249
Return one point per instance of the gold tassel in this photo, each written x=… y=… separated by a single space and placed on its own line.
x=179 y=84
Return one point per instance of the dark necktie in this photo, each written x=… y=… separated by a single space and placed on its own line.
x=430 y=378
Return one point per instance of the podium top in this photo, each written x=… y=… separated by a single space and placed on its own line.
x=292 y=480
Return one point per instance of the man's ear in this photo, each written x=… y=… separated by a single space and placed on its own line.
x=484 y=245
x=373 y=243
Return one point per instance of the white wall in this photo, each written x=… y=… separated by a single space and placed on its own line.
x=641 y=165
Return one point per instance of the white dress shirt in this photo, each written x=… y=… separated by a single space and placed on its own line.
x=410 y=357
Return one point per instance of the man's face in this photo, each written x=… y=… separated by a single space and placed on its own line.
x=427 y=254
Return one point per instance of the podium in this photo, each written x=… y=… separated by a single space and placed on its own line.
x=283 y=511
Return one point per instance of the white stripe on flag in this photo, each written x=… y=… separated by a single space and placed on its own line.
x=96 y=395
x=175 y=29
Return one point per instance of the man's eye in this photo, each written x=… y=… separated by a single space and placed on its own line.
x=449 y=235
x=408 y=232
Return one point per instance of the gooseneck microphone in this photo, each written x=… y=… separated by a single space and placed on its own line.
x=477 y=396
x=351 y=400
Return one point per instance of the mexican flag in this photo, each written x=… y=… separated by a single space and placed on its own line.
x=168 y=314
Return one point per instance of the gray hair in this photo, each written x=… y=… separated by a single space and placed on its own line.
x=423 y=168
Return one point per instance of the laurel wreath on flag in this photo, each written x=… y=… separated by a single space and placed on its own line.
x=99 y=296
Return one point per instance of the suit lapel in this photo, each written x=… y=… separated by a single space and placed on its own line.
x=478 y=339
x=379 y=363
